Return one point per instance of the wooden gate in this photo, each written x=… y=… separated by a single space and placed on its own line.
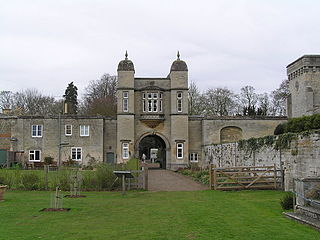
x=139 y=180
x=241 y=178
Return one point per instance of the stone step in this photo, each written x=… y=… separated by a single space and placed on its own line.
x=303 y=219
x=310 y=212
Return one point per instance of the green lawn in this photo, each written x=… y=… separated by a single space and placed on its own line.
x=151 y=215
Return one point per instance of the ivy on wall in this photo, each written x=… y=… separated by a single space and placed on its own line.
x=276 y=142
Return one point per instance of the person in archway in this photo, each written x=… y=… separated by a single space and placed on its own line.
x=143 y=157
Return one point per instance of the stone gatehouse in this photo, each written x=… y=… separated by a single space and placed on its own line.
x=152 y=114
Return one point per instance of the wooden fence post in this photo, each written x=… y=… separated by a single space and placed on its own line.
x=145 y=178
x=210 y=175
x=214 y=179
x=275 y=176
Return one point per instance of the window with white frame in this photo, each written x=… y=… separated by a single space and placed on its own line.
x=194 y=157
x=36 y=130
x=84 y=130
x=76 y=153
x=143 y=102
x=152 y=101
x=179 y=150
x=125 y=150
x=68 y=129
x=179 y=101
x=35 y=155
x=125 y=101
x=160 y=102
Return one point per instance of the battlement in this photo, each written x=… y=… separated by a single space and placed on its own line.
x=303 y=65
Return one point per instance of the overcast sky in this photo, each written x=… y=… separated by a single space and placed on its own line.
x=232 y=43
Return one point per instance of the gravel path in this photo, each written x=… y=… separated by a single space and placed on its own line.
x=166 y=180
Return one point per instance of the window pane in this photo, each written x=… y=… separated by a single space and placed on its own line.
x=37 y=153
x=73 y=154
x=39 y=130
x=125 y=105
x=31 y=155
x=149 y=105
x=155 y=105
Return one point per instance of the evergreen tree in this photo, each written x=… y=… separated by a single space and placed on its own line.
x=70 y=96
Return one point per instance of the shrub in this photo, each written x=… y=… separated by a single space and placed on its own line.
x=48 y=160
x=30 y=181
x=279 y=129
x=287 y=201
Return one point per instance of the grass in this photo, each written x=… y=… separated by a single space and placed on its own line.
x=151 y=215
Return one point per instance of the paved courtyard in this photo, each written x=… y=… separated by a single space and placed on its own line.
x=166 y=180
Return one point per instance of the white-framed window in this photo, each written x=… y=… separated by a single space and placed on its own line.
x=84 y=130
x=179 y=150
x=68 y=129
x=34 y=155
x=160 y=101
x=143 y=102
x=36 y=130
x=152 y=102
x=179 y=101
x=125 y=150
x=125 y=101
x=194 y=157
x=76 y=153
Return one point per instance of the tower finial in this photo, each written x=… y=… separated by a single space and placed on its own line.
x=178 y=55
x=126 y=55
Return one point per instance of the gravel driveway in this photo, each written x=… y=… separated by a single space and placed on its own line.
x=166 y=180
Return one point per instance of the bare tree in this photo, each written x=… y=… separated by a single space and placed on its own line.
x=278 y=99
x=196 y=103
x=248 y=99
x=6 y=99
x=264 y=104
x=32 y=102
x=100 y=97
x=219 y=102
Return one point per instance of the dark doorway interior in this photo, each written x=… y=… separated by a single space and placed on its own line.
x=153 y=141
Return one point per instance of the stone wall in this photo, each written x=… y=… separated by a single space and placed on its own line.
x=248 y=126
x=301 y=160
x=5 y=132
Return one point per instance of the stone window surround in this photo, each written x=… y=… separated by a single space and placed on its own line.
x=179 y=101
x=36 y=130
x=125 y=150
x=76 y=151
x=125 y=101
x=152 y=101
x=194 y=157
x=68 y=129
x=180 y=147
x=84 y=130
x=33 y=154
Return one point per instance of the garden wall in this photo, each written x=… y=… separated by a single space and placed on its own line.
x=299 y=159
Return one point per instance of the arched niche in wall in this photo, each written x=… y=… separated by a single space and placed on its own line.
x=230 y=134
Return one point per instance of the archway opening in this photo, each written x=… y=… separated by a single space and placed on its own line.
x=153 y=147
x=230 y=134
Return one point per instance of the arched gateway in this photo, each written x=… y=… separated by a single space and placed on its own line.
x=154 y=147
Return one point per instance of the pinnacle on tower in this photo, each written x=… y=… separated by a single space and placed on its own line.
x=126 y=55
x=178 y=55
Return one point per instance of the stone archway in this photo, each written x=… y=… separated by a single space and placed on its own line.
x=153 y=141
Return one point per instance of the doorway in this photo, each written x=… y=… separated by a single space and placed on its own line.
x=148 y=146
